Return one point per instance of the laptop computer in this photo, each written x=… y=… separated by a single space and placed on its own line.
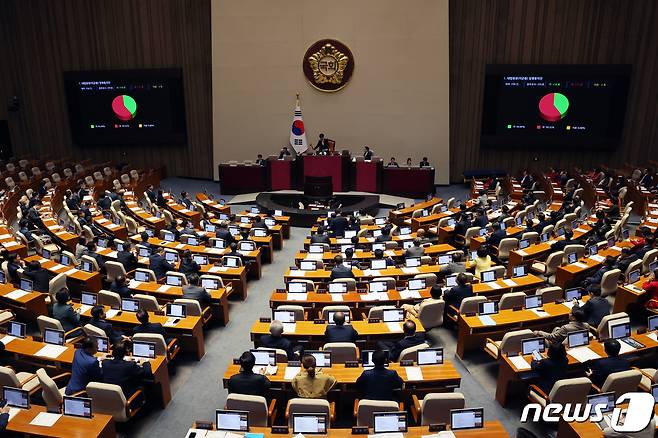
x=18 y=398
x=389 y=422
x=144 y=349
x=176 y=310
x=53 y=336
x=77 y=406
x=429 y=356
x=232 y=421
x=579 y=338
x=309 y=424
x=466 y=418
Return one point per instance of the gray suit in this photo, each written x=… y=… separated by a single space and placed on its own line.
x=414 y=251
x=198 y=293
x=559 y=334
x=66 y=316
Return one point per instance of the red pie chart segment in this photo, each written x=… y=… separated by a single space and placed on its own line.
x=124 y=107
x=553 y=107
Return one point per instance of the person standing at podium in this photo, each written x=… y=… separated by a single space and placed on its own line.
x=322 y=148
x=367 y=153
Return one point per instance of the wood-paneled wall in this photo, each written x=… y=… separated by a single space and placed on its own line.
x=43 y=38
x=551 y=32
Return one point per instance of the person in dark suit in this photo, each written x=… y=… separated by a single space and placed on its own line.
x=124 y=373
x=624 y=261
x=183 y=200
x=160 y=200
x=14 y=266
x=284 y=153
x=259 y=160
x=600 y=369
x=541 y=224
x=223 y=233
x=385 y=236
x=497 y=235
x=127 y=258
x=276 y=340
x=648 y=246
x=72 y=200
x=425 y=163
x=105 y=202
x=456 y=294
x=187 y=264
x=340 y=270
x=392 y=163
x=461 y=224
x=4 y=417
x=158 y=264
x=596 y=307
x=379 y=383
x=85 y=367
x=322 y=147
x=63 y=312
x=193 y=291
x=120 y=286
x=40 y=277
x=339 y=332
x=320 y=236
x=148 y=327
x=367 y=153
x=608 y=265
x=416 y=250
x=338 y=224
x=553 y=368
x=379 y=255
x=151 y=193
x=91 y=252
x=481 y=219
x=411 y=339
x=561 y=244
x=98 y=320
x=246 y=381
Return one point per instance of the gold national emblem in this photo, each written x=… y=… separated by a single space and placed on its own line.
x=328 y=65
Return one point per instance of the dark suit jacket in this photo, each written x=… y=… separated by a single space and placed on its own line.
x=197 y=293
x=322 y=145
x=480 y=221
x=151 y=194
x=456 y=295
x=66 y=316
x=99 y=259
x=406 y=342
x=224 y=234
x=602 y=368
x=123 y=291
x=248 y=383
x=496 y=237
x=341 y=271
x=128 y=260
x=151 y=327
x=104 y=203
x=125 y=373
x=367 y=155
x=4 y=420
x=40 y=279
x=160 y=265
x=338 y=225
x=379 y=384
x=595 y=309
x=188 y=267
x=320 y=238
x=561 y=244
x=84 y=369
x=269 y=341
x=113 y=336
x=340 y=333
x=550 y=371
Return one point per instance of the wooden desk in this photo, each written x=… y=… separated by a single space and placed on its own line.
x=144 y=217
x=10 y=243
x=118 y=231
x=29 y=306
x=363 y=241
x=27 y=349
x=236 y=276
x=427 y=221
x=211 y=204
x=435 y=377
x=312 y=334
x=180 y=211
x=364 y=255
x=188 y=331
x=509 y=376
x=626 y=296
x=167 y=294
x=398 y=216
x=491 y=429
x=99 y=426
x=567 y=275
x=472 y=333
x=76 y=279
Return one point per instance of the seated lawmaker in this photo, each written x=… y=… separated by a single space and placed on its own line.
x=562 y=243
x=367 y=153
x=127 y=258
x=322 y=147
x=85 y=367
x=63 y=311
x=284 y=152
x=559 y=334
x=379 y=255
x=436 y=293
x=553 y=368
x=339 y=332
x=276 y=340
x=159 y=264
x=340 y=270
x=145 y=326
x=456 y=294
x=600 y=369
x=416 y=250
x=310 y=382
x=392 y=163
x=483 y=260
x=320 y=236
x=124 y=373
x=379 y=383
x=497 y=235
x=385 y=236
x=40 y=277
x=596 y=307
x=411 y=339
x=120 y=286
x=187 y=264
x=98 y=320
x=409 y=162
x=425 y=163
x=194 y=291
x=456 y=266
x=259 y=160
x=246 y=381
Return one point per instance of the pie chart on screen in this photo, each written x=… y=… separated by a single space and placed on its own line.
x=124 y=107
x=553 y=107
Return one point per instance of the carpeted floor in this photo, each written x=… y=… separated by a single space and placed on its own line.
x=196 y=386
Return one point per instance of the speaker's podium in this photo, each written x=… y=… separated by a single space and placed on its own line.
x=367 y=174
x=280 y=172
x=333 y=165
x=318 y=186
